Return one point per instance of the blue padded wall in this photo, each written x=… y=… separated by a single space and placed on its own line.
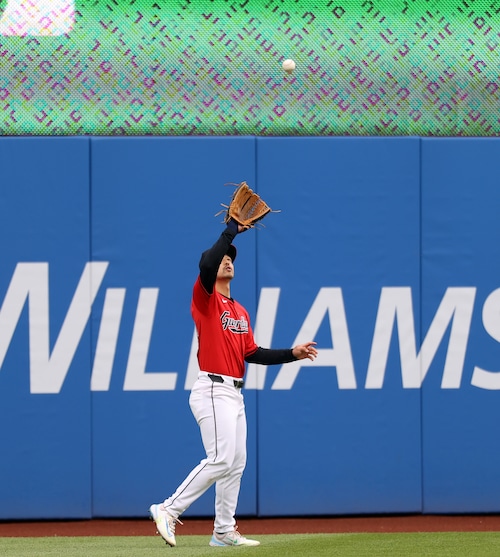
x=44 y=338
x=385 y=253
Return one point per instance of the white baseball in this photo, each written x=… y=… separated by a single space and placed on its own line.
x=288 y=66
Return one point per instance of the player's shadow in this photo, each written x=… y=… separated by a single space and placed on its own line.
x=37 y=17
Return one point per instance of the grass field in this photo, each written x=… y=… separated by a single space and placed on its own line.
x=456 y=544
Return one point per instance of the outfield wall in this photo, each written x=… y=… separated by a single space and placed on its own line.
x=385 y=252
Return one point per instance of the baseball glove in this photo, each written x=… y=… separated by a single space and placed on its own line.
x=246 y=207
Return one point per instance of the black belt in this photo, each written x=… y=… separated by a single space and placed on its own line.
x=218 y=379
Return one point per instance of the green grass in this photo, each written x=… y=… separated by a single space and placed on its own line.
x=456 y=544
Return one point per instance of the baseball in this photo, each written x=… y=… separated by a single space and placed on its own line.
x=288 y=66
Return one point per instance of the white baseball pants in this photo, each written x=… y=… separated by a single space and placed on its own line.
x=219 y=410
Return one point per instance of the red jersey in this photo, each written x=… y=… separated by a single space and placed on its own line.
x=224 y=334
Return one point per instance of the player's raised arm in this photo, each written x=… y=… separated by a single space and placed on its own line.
x=212 y=257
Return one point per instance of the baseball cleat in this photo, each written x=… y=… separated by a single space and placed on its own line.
x=230 y=538
x=165 y=523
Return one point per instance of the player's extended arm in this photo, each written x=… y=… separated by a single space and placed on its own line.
x=272 y=356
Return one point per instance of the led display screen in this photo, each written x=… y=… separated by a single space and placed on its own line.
x=213 y=67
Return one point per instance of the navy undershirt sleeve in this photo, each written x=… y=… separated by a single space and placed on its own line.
x=211 y=258
x=271 y=356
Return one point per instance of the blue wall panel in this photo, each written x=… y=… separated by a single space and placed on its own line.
x=44 y=223
x=153 y=209
x=460 y=239
x=349 y=221
x=385 y=252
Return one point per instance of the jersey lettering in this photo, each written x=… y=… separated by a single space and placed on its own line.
x=237 y=326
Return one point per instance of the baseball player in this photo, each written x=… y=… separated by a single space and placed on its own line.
x=226 y=342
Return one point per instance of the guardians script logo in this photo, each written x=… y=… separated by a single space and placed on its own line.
x=238 y=326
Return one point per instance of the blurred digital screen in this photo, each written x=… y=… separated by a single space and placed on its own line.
x=213 y=67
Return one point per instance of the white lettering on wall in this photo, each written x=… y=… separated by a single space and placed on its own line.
x=329 y=301
x=263 y=334
x=136 y=377
x=483 y=378
x=395 y=318
x=107 y=339
x=396 y=309
x=30 y=281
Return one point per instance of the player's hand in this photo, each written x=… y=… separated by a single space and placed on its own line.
x=236 y=226
x=305 y=350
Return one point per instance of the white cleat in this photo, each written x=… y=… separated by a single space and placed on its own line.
x=230 y=538
x=165 y=523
